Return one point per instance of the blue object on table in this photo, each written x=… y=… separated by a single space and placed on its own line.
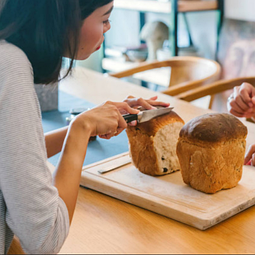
x=98 y=149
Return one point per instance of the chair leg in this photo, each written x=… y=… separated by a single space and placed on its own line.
x=211 y=102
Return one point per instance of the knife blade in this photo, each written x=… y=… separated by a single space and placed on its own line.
x=146 y=115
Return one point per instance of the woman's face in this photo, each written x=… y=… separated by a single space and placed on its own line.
x=92 y=31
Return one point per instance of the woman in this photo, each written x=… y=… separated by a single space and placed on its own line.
x=241 y=103
x=34 y=35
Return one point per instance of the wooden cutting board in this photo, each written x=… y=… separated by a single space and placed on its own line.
x=168 y=195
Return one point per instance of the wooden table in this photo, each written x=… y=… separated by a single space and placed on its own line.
x=103 y=224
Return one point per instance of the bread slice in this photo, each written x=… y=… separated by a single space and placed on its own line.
x=152 y=144
x=211 y=152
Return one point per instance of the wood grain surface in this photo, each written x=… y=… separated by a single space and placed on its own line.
x=103 y=224
x=168 y=195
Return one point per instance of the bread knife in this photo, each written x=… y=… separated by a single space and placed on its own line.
x=117 y=163
x=147 y=115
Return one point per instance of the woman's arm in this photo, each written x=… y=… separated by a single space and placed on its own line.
x=104 y=120
x=68 y=171
x=54 y=141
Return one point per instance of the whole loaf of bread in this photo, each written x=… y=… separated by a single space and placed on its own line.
x=211 y=152
x=152 y=144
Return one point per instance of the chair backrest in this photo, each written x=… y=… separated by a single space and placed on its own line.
x=214 y=88
x=188 y=72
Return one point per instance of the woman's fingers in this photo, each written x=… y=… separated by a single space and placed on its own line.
x=125 y=108
x=144 y=103
x=135 y=102
x=158 y=103
x=111 y=134
x=106 y=120
x=132 y=123
x=120 y=122
x=154 y=98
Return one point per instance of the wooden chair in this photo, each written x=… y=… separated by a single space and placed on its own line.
x=186 y=72
x=213 y=89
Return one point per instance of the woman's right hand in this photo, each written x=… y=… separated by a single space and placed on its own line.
x=105 y=120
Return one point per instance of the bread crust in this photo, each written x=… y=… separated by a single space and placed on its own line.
x=142 y=143
x=213 y=160
x=213 y=128
x=151 y=127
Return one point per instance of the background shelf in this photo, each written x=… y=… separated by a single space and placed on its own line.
x=172 y=8
x=165 y=7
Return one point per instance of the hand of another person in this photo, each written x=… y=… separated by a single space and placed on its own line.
x=106 y=120
x=250 y=156
x=241 y=102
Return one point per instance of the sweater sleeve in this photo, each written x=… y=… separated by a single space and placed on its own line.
x=35 y=212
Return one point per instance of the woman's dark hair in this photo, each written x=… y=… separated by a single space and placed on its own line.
x=45 y=30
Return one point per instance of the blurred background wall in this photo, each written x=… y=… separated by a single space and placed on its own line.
x=125 y=29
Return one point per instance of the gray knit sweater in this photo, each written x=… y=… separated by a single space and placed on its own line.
x=30 y=206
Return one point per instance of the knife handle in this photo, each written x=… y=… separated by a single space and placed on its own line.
x=130 y=117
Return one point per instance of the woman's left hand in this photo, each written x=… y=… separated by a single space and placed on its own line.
x=146 y=104
x=130 y=105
